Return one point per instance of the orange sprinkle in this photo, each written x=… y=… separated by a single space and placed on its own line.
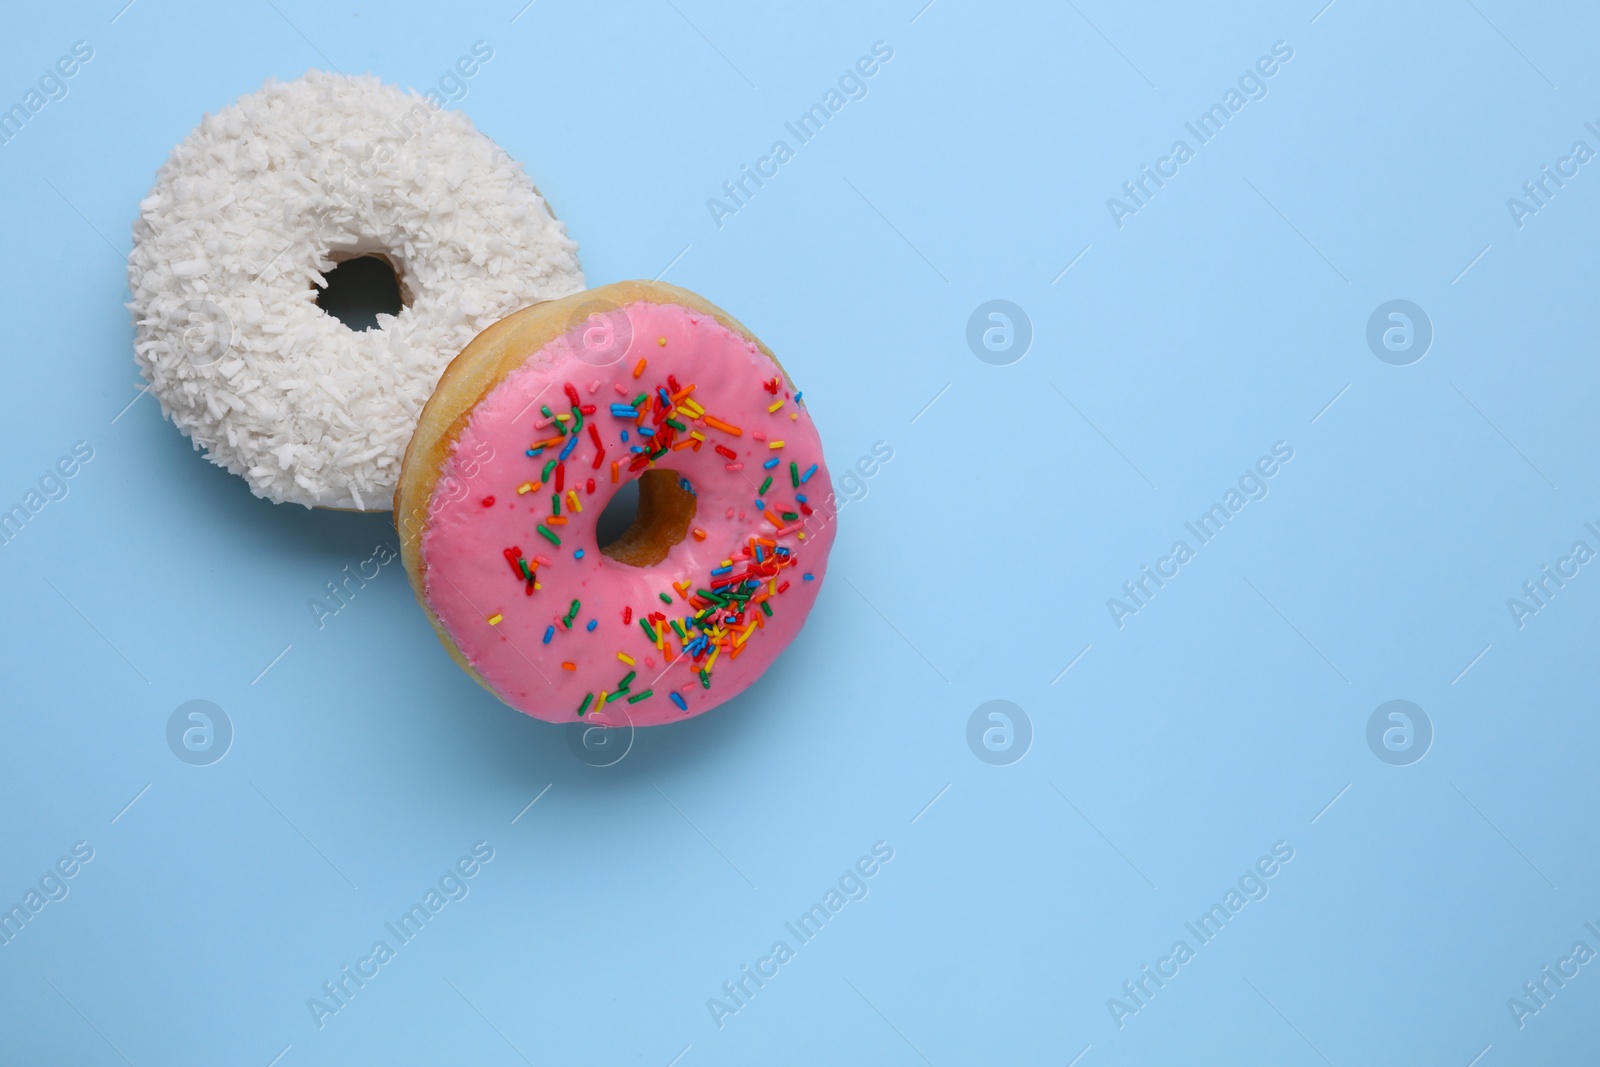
x=569 y=666
x=699 y=534
x=681 y=393
x=638 y=368
x=685 y=443
x=613 y=472
x=557 y=520
x=717 y=424
x=770 y=518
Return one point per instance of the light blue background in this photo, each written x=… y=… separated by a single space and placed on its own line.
x=1225 y=716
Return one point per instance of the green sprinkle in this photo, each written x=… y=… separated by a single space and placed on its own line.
x=555 y=503
x=681 y=635
x=766 y=609
x=715 y=598
x=794 y=473
x=649 y=631
x=625 y=680
x=676 y=425
x=544 y=475
x=588 y=698
x=641 y=696
x=764 y=485
x=577 y=419
x=705 y=680
x=665 y=599
x=572 y=612
x=640 y=399
x=522 y=563
x=547 y=535
x=545 y=409
x=789 y=515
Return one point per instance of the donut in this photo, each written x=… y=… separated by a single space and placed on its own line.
x=233 y=244
x=533 y=430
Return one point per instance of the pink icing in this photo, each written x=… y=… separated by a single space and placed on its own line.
x=469 y=579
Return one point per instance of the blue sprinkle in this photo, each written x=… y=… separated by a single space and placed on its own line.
x=666 y=397
x=549 y=632
x=534 y=451
x=782 y=551
x=592 y=624
x=761 y=505
x=624 y=436
x=806 y=477
x=807 y=576
x=800 y=497
x=645 y=431
x=572 y=442
x=797 y=397
x=720 y=571
x=769 y=464
x=678 y=700
x=635 y=448
x=623 y=411
x=578 y=554
x=683 y=483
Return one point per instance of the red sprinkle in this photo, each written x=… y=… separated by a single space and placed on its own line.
x=488 y=501
x=512 y=555
x=586 y=409
x=588 y=487
x=627 y=616
x=561 y=476
x=594 y=435
x=572 y=395
x=599 y=458
x=725 y=451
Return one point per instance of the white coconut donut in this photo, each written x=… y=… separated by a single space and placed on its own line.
x=250 y=212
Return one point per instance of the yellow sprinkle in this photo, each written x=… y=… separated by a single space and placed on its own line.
x=794 y=414
x=661 y=341
x=714 y=653
x=536 y=585
x=697 y=435
x=693 y=408
x=774 y=444
x=525 y=487
x=601 y=702
x=726 y=563
x=563 y=417
x=801 y=536
x=572 y=500
x=776 y=404
x=494 y=620
x=624 y=657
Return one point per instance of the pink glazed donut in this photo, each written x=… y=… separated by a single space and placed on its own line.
x=532 y=431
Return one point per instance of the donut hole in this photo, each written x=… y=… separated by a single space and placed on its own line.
x=645 y=518
x=360 y=287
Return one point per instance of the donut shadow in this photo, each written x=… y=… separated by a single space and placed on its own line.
x=524 y=753
x=262 y=529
